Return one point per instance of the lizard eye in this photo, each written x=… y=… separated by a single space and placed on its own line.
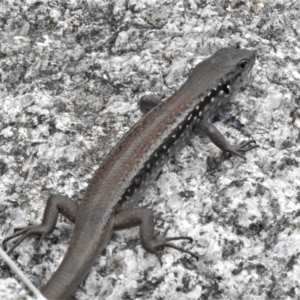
x=243 y=64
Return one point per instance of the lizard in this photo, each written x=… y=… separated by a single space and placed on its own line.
x=135 y=162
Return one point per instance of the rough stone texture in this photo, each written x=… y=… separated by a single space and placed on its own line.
x=71 y=74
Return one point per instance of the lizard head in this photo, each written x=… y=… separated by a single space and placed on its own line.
x=223 y=74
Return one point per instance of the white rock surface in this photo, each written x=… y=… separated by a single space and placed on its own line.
x=71 y=74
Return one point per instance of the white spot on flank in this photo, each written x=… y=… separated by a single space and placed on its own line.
x=189 y=117
x=165 y=147
x=212 y=99
x=197 y=107
x=148 y=166
x=174 y=136
x=200 y=113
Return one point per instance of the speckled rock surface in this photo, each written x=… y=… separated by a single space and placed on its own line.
x=71 y=74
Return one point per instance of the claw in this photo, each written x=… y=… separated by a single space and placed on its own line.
x=20 y=231
x=180 y=238
x=164 y=243
x=181 y=249
x=158 y=256
x=242 y=147
x=246 y=143
x=175 y=238
x=40 y=241
x=233 y=151
x=23 y=233
x=166 y=231
x=251 y=147
x=17 y=243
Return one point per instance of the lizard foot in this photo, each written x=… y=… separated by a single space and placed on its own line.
x=241 y=147
x=24 y=232
x=160 y=243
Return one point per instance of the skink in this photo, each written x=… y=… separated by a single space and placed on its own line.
x=134 y=162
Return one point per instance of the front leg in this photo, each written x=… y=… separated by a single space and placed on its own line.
x=56 y=204
x=148 y=102
x=145 y=220
x=220 y=141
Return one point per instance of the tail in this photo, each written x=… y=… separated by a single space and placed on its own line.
x=90 y=236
